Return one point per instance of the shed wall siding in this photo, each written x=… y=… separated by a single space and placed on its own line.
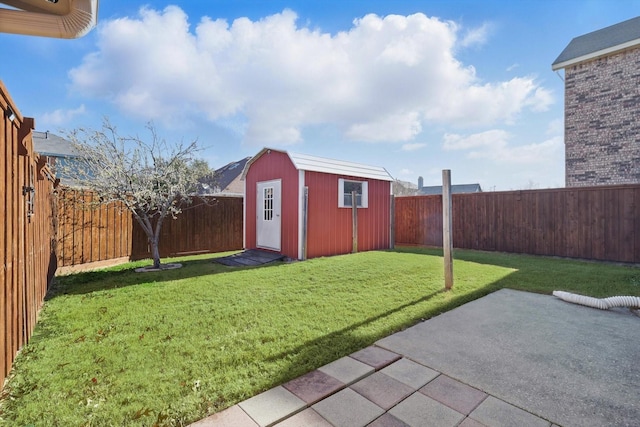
x=602 y=131
x=274 y=165
x=329 y=227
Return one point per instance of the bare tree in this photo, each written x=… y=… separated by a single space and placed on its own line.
x=153 y=179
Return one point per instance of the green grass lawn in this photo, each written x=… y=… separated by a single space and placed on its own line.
x=116 y=347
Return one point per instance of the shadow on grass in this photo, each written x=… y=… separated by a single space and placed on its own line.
x=337 y=344
x=542 y=274
x=125 y=275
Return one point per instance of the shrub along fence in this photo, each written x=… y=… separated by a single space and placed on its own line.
x=26 y=246
x=598 y=223
x=90 y=232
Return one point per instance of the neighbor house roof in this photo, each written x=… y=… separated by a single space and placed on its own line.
x=455 y=189
x=600 y=43
x=226 y=174
x=324 y=165
x=49 y=144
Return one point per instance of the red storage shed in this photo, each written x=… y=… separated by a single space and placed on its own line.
x=301 y=206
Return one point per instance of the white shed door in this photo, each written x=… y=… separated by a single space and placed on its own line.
x=268 y=220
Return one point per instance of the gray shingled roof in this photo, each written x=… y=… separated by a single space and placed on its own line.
x=226 y=174
x=49 y=144
x=600 y=42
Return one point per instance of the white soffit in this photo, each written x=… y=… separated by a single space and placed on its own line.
x=66 y=19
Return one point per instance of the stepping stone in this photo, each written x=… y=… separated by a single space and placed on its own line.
x=376 y=357
x=306 y=418
x=347 y=408
x=382 y=390
x=495 y=412
x=272 y=406
x=388 y=420
x=347 y=370
x=314 y=386
x=454 y=394
x=230 y=417
x=419 y=410
x=410 y=373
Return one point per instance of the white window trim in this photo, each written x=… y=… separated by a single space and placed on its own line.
x=364 y=201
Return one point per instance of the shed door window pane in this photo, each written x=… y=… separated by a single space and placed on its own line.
x=268 y=204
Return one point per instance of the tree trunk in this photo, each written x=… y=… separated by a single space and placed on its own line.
x=155 y=253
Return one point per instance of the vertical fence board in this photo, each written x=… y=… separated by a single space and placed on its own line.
x=89 y=233
x=599 y=223
x=24 y=246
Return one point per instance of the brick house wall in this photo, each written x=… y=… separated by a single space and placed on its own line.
x=602 y=126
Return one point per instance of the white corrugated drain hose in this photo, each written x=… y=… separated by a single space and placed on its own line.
x=601 y=303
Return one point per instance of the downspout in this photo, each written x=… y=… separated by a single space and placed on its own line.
x=67 y=19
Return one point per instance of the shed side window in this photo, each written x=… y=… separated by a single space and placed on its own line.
x=345 y=189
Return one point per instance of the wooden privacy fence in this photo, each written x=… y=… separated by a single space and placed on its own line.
x=89 y=232
x=598 y=223
x=208 y=225
x=26 y=246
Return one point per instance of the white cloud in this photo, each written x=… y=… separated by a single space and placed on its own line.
x=476 y=36
x=413 y=146
x=394 y=127
x=384 y=79
x=60 y=117
x=495 y=145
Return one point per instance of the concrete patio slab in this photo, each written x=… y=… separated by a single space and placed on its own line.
x=272 y=406
x=388 y=420
x=250 y=257
x=230 y=417
x=347 y=370
x=313 y=386
x=382 y=390
x=348 y=409
x=410 y=373
x=496 y=413
x=419 y=410
x=306 y=418
x=570 y=364
x=376 y=357
x=454 y=394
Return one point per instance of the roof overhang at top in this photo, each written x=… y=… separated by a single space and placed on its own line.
x=324 y=165
x=66 y=19
x=618 y=37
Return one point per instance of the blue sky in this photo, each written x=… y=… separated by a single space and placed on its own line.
x=413 y=86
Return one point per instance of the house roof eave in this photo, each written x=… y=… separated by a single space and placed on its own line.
x=594 y=55
x=65 y=19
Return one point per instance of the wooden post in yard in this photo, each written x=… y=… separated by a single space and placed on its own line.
x=354 y=216
x=447 y=229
